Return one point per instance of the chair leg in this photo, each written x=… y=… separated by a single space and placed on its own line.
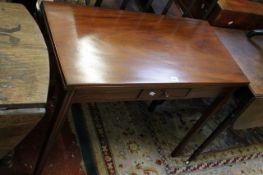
x=210 y=9
x=87 y=2
x=148 y=6
x=154 y=104
x=167 y=7
x=124 y=4
x=98 y=3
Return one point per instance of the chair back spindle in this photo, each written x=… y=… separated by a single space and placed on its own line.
x=147 y=6
x=98 y=3
x=167 y=7
x=124 y=4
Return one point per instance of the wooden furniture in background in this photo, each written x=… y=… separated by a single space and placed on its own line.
x=199 y=9
x=249 y=56
x=109 y=55
x=242 y=14
x=24 y=75
x=248 y=53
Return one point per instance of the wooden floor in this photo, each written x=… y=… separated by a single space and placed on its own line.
x=65 y=157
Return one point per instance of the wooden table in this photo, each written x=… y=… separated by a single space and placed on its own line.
x=242 y=14
x=107 y=55
x=24 y=75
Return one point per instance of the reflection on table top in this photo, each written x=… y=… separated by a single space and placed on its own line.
x=98 y=47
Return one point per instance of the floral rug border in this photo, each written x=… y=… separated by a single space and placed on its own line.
x=109 y=161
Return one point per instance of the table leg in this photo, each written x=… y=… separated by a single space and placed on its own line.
x=124 y=4
x=59 y=119
x=98 y=3
x=154 y=104
x=227 y=122
x=187 y=12
x=216 y=105
x=221 y=127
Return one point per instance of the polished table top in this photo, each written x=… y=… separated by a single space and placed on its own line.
x=24 y=62
x=101 y=47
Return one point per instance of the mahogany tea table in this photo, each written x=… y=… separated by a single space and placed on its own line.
x=114 y=55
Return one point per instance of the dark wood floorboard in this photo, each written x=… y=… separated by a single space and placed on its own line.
x=65 y=157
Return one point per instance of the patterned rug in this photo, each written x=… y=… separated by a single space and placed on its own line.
x=123 y=138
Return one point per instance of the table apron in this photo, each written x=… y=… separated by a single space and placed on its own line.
x=101 y=94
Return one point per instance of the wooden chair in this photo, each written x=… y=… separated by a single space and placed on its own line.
x=186 y=8
x=123 y=4
x=200 y=9
x=144 y=5
x=240 y=14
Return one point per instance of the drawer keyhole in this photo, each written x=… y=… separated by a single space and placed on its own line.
x=166 y=94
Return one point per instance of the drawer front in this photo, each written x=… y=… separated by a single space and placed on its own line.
x=163 y=93
x=106 y=94
x=15 y=124
x=116 y=94
x=124 y=93
x=202 y=92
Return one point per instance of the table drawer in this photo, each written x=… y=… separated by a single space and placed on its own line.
x=163 y=93
x=130 y=93
x=202 y=92
x=106 y=94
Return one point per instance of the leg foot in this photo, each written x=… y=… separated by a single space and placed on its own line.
x=187 y=162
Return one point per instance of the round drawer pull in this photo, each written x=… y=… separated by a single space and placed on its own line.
x=152 y=93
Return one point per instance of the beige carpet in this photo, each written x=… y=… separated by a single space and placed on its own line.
x=125 y=139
